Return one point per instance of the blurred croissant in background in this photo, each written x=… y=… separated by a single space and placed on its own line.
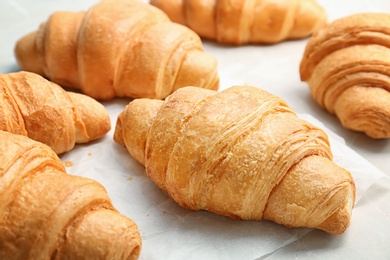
x=118 y=48
x=246 y=21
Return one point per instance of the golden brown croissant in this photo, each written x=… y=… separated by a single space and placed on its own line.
x=346 y=65
x=48 y=214
x=246 y=21
x=242 y=153
x=33 y=106
x=122 y=48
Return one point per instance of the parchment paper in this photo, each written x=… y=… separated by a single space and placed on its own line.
x=170 y=232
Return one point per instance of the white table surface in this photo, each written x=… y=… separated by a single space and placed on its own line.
x=275 y=69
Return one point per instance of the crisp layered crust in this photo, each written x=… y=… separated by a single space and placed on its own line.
x=241 y=153
x=48 y=214
x=33 y=106
x=346 y=65
x=118 y=48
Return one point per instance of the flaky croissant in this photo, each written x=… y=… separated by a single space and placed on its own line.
x=346 y=65
x=122 y=48
x=246 y=21
x=242 y=153
x=48 y=214
x=33 y=106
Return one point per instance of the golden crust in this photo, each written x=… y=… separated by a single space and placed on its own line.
x=352 y=52
x=46 y=213
x=33 y=106
x=240 y=22
x=357 y=29
x=240 y=153
x=118 y=48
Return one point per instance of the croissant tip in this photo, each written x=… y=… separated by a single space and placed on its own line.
x=25 y=54
x=118 y=132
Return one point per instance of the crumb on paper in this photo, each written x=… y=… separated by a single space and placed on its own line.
x=130 y=178
x=68 y=163
x=89 y=154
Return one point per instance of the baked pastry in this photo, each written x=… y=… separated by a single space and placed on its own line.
x=33 y=106
x=245 y=21
x=48 y=214
x=241 y=153
x=346 y=65
x=118 y=48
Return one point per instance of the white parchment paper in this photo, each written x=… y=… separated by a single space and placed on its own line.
x=170 y=232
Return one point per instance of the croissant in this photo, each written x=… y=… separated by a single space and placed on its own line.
x=48 y=214
x=33 y=106
x=346 y=65
x=242 y=153
x=118 y=48
x=246 y=21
